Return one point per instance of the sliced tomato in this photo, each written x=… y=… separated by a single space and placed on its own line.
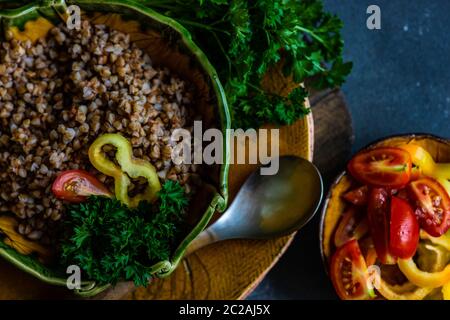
x=416 y=173
x=349 y=273
x=378 y=213
x=403 y=194
x=382 y=167
x=353 y=225
x=404 y=229
x=357 y=196
x=76 y=185
x=432 y=205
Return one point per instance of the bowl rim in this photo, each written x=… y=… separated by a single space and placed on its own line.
x=340 y=176
x=220 y=198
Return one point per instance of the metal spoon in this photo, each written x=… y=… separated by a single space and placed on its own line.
x=265 y=207
x=268 y=206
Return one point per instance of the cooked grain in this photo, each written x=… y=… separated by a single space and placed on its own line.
x=59 y=94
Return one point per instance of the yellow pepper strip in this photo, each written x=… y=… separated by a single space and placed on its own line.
x=8 y=224
x=129 y=167
x=393 y=292
x=16 y=241
x=421 y=158
x=446 y=287
x=443 y=241
x=422 y=278
x=407 y=290
x=446 y=291
x=441 y=257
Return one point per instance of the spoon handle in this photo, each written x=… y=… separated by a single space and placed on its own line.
x=205 y=238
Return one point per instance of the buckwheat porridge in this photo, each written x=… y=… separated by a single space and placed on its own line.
x=58 y=94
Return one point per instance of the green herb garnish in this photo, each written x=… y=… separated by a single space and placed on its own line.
x=244 y=39
x=111 y=242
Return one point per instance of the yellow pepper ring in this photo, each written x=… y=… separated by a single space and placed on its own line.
x=392 y=292
x=446 y=291
x=443 y=241
x=407 y=290
x=13 y=239
x=422 y=278
x=129 y=167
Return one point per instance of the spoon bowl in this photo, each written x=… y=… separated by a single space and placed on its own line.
x=269 y=206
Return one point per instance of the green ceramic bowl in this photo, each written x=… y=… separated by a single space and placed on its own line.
x=170 y=45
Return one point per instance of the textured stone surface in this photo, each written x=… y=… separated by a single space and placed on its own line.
x=400 y=84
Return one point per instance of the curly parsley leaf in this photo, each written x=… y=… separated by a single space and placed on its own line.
x=111 y=242
x=244 y=39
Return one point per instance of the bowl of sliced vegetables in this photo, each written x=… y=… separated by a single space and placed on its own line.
x=384 y=228
x=88 y=113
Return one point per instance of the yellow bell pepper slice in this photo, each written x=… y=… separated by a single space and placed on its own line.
x=443 y=241
x=421 y=158
x=422 y=278
x=446 y=291
x=402 y=292
x=407 y=290
x=128 y=167
x=18 y=242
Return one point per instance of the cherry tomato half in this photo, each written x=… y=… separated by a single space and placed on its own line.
x=379 y=217
x=76 y=185
x=404 y=229
x=382 y=167
x=349 y=272
x=357 y=196
x=416 y=173
x=403 y=194
x=353 y=225
x=432 y=205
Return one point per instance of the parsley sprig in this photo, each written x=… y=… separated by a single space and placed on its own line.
x=111 y=242
x=245 y=39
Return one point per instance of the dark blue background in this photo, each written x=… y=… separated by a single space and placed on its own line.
x=400 y=84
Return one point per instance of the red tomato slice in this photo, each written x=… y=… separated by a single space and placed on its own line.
x=432 y=205
x=349 y=272
x=378 y=215
x=353 y=225
x=76 y=185
x=404 y=233
x=357 y=196
x=403 y=194
x=382 y=167
x=416 y=173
